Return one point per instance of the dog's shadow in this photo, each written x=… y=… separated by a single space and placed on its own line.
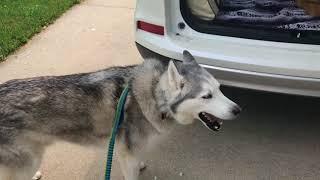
x=276 y=136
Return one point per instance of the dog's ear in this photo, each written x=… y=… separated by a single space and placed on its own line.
x=188 y=58
x=174 y=77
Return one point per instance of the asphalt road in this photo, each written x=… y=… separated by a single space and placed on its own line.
x=276 y=136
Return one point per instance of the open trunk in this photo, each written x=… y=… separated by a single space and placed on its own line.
x=296 y=21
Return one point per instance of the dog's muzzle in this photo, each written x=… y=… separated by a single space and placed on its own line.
x=210 y=121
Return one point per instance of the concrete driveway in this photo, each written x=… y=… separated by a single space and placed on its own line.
x=276 y=137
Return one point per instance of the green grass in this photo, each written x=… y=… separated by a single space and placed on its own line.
x=21 y=19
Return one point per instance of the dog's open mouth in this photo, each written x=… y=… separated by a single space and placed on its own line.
x=210 y=121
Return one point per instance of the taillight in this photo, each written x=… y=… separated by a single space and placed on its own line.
x=152 y=28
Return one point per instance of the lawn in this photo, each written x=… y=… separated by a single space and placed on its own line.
x=21 y=19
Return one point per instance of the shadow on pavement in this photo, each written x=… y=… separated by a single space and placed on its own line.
x=276 y=137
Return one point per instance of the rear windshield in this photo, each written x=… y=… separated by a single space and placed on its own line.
x=295 y=21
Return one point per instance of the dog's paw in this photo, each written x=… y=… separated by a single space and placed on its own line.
x=142 y=166
x=37 y=176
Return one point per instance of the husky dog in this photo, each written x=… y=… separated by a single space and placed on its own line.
x=80 y=108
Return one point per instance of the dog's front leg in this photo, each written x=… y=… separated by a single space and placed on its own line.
x=130 y=165
x=130 y=168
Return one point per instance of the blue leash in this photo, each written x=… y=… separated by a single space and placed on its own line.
x=119 y=115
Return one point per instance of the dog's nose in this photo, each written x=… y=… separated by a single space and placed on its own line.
x=236 y=110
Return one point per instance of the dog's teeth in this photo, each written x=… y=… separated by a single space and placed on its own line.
x=216 y=127
x=221 y=123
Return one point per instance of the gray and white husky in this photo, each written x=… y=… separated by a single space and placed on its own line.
x=80 y=108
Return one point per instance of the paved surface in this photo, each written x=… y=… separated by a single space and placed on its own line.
x=276 y=137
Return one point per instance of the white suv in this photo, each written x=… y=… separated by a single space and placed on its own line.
x=277 y=60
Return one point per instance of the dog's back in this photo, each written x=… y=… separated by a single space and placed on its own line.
x=76 y=108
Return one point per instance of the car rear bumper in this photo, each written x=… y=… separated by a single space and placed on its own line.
x=248 y=79
x=255 y=64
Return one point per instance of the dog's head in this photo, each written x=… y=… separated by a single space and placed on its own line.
x=193 y=93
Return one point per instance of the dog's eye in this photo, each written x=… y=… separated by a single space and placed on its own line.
x=208 y=96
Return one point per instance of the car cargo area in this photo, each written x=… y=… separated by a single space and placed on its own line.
x=296 y=21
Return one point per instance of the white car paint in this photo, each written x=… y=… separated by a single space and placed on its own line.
x=256 y=64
